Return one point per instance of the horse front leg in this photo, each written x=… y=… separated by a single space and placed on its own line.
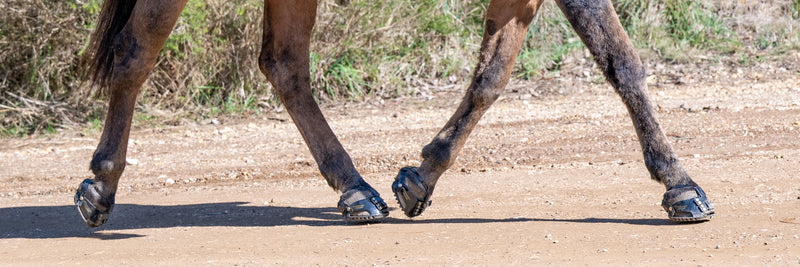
x=505 y=28
x=285 y=62
x=134 y=51
x=597 y=24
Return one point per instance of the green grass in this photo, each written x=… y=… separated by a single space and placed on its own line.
x=795 y=9
x=549 y=40
x=698 y=25
x=15 y=131
x=23 y=130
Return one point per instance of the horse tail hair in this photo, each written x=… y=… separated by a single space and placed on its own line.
x=98 y=58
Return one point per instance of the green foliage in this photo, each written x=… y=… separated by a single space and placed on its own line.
x=192 y=31
x=795 y=8
x=386 y=47
x=548 y=42
x=343 y=73
x=689 y=21
x=91 y=6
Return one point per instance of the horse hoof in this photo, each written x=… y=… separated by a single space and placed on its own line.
x=687 y=204
x=362 y=204
x=85 y=198
x=411 y=194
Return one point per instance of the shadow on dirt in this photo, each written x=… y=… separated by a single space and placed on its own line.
x=64 y=221
x=607 y=220
x=41 y=222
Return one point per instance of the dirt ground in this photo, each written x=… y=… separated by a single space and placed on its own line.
x=553 y=175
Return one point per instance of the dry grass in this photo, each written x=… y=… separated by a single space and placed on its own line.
x=361 y=49
x=39 y=43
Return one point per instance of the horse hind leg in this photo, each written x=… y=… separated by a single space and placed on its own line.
x=597 y=24
x=285 y=62
x=505 y=28
x=134 y=53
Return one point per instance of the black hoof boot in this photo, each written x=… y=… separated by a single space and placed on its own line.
x=87 y=198
x=362 y=204
x=687 y=204
x=411 y=194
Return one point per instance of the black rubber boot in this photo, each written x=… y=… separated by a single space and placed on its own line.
x=362 y=204
x=687 y=204
x=411 y=194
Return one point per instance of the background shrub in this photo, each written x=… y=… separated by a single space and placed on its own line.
x=361 y=48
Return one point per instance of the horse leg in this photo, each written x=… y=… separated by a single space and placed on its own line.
x=284 y=61
x=505 y=28
x=598 y=26
x=135 y=50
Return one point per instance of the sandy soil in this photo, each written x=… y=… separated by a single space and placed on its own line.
x=552 y=175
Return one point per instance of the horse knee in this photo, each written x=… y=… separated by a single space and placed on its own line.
x=488 y=84
x=267 y=64
x=132 y=62
x=287 y=71
x=624 y=73
x=486 y=89
x=280 y=66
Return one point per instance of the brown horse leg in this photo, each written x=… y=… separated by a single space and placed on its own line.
x=135 y=51
x=506 y=24
x=284 y=60
x=598 y=26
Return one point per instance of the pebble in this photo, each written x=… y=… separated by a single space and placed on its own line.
x=170 y=181
x=131 y=161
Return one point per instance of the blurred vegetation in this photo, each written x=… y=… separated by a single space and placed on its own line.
x=361 y=49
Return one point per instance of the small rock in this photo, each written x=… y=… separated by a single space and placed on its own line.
x=131 y=161
x=215 y=122
x=170 y=181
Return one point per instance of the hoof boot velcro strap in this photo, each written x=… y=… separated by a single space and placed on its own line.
x=362 y=204
x=690 y=206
